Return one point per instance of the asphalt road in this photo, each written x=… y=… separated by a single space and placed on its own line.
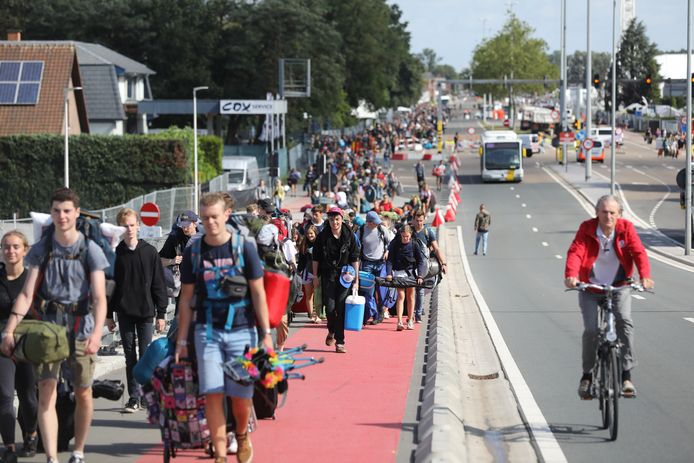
x=533 y=223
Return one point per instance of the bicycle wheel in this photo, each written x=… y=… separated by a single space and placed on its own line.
x=602 y=390
x=614 y=389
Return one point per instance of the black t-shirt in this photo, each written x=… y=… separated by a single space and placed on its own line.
x=9 y=290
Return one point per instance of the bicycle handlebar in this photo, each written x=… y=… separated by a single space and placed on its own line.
x=609 y=288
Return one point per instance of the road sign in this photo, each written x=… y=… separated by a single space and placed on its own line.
x=580 y=135
x=618 y=131
x=149 y=212
x=566 y=137
x=471 y=130
x=555 y=115
x=683 y=120
x=507 y=123
x=587 y=144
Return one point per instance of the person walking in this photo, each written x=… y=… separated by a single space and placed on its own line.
x=419 y=172
x=374 y=239
x=73 y=295
x=261 y=190
x=15 y=376
x=278 y=194
x=305 y=267
x=427 y=238
x=139 y=295
x=224 y=323
x=482 y=222
x=334 y=250
x=405 y=259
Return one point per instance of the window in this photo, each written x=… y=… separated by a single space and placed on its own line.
x=20 y=82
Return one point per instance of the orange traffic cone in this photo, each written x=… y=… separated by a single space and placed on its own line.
x=438 y=219
x=452 y=199
x=456 y=196
x=450 y=215
x=456 y=186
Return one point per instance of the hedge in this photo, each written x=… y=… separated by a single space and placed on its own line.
x=104 y=170
x=210 y=151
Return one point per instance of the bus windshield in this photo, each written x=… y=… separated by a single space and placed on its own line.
x=501 y=156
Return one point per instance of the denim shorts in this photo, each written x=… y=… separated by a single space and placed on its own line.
x=212 y=353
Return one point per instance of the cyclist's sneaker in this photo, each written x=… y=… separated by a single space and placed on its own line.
x=628 y=389
x=584 y=390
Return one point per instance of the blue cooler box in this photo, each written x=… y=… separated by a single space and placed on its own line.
x=354 y=313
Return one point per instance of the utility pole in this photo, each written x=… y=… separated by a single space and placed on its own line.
x=589 y=86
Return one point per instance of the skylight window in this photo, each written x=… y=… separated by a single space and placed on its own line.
x=20 y=82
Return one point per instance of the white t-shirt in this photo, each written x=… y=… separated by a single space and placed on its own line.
x=607 y=264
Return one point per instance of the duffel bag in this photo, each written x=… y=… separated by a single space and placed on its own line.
x=38 y=342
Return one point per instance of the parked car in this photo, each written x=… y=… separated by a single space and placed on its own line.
x=531 y=144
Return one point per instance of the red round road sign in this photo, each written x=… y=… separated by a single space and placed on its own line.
x=471 y=130
x=683 y=120
x=507 y=123
x=555 y=115
x=587 y=144
x=618 y=131
x=149 y=213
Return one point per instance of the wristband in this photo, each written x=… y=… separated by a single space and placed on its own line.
x=182 y=343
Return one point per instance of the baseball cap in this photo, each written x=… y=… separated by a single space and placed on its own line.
x=372 y=217
x=336 y=210
x=347 y=276
x=186 y=218
x=266 y=205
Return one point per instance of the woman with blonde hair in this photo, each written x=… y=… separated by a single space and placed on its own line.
x=15 y=376
x=278 y=194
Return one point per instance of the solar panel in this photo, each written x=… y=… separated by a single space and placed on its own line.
x=20 y=82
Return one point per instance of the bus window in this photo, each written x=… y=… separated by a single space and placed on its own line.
x=502 y=156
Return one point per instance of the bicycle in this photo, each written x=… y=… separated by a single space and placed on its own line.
x=607 y=381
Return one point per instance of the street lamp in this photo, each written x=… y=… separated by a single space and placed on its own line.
x=195 y=146
x=66 y=92
x=613 y=115
x=589 y=63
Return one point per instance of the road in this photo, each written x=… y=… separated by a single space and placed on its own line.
x=533 y=224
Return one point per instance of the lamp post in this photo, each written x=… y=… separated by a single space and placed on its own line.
x=613 y=160
x=66 y=92
x=196 y=186
x=589 y=63
x=688 y=154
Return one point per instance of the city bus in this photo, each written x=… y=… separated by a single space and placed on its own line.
x=501 y=156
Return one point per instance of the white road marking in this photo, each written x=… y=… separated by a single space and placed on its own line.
x=639 y=183
x=638 y=296
x=668 y=166
x=535 y=229
x=517 y=196
x=528 y=216
x=689 y=319
x=558 y=256
x=545 y=243
x=513 y=188
x=629 y=166
x=523 y=205
x=547 y=445
x=638 y=171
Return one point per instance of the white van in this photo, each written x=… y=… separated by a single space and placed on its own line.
x=531 y=143
x=242 y=172
x=604 y=134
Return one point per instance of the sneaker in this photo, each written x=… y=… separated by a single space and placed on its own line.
x=628 y=389
x=132 y=406
x=143 y=403
x=400 y=327
x=29 y=448
x=233 y=446
x=417 y=318
x=245 y=452
x=410 y=324
x=330 y=339
x=386 y=314
x=340 y=349
x=76 y=459
x=9 y=457
x=584 y=390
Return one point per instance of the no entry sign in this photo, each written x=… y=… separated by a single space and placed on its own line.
x=471 y=130
x=149 y=213
x=588 y=144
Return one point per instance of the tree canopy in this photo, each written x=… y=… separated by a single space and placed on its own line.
x=359 y=49
x=636 y=60
x=513 y=52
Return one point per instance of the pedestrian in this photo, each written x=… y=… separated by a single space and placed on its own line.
x=482 y=222
x=427 y=238
x=419 y=172
x=334 y=251
x=317 y=218
x=278 y=194
x=17 y=376
x=224 y=322
x=171 y=253
x=305 y=269
x=64 y=295
x=139 y=296
x=374 y=240
x=604 y=252
x=261 y=190
x=405 y=259
x=293 y=179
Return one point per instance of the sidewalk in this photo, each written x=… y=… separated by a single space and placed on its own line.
x=596 y=187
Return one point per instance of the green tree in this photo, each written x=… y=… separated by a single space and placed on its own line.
x=429 y=59
x=601 y=63
x=513 y=53
x=636 y=60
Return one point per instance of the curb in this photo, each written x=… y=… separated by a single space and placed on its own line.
x=441 y=431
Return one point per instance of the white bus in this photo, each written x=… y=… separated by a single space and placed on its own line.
x=501 y=156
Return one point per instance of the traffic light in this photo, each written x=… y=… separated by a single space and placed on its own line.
x=648 y=81
x=596 y=80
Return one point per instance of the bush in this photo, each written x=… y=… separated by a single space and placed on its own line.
x=104 y=170
x=209 y=151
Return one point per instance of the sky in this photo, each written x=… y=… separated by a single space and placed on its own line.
x=453 y=28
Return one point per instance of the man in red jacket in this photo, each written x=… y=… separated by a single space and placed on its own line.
x=604 y=252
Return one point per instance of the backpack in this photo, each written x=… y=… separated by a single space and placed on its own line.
x=381 y=235
x=90 y=227
x=228 y=283
x=425 y=245
x=370 y=193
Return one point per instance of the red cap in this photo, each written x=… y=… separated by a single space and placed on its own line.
x=336 y=210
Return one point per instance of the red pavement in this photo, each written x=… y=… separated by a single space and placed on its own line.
x=349 y=409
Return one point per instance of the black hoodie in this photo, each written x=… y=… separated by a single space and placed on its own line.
x=331 y=254
x=140 y=287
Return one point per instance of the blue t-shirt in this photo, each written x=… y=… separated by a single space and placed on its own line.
x=218 y=256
